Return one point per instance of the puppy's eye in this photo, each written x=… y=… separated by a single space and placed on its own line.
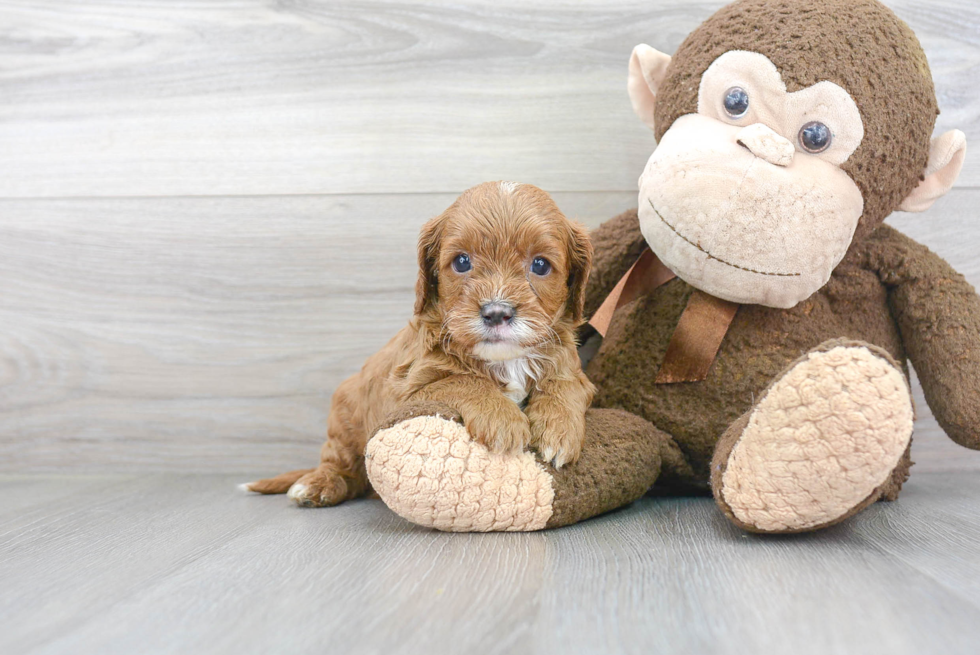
x=462 y=263
x=540 y=266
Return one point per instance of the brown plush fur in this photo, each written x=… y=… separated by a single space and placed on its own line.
x=502 y=227
x=859 y=45
x=623 y=456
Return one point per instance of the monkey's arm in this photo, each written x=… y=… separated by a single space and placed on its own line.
x=618 y=244
x=938 y=315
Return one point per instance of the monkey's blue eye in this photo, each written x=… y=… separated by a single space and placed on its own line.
x=540 y=266
x=462 y=263
x=815 y=137
x=736 y=102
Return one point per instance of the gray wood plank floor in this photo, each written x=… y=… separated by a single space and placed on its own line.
x=184 y=564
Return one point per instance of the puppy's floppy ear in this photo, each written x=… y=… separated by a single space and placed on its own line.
x=579 y=266
x=427 y=286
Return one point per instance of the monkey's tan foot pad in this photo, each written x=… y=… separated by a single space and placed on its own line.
x=818 y=445
x=429 y=471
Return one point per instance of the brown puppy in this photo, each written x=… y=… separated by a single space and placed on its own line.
x=499 y=296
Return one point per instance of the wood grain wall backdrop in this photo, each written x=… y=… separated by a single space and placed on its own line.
x=208 y=210
x=151 y=98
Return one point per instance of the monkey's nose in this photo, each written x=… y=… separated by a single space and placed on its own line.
x=496 y=313
x=763 y=142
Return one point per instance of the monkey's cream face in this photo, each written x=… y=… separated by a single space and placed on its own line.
x=745 y=199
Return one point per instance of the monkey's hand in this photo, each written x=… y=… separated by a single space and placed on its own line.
x=938 y=315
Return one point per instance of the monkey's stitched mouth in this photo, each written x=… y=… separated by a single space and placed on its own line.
x=710 y=256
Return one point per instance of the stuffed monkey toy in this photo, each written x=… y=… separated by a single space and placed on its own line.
x=758 y=316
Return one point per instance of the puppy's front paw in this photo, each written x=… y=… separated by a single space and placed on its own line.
x=499 y=431
x=557 y=438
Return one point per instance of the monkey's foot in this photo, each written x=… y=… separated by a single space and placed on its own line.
x=429 y=471
x=820 y=444
x=426 y=468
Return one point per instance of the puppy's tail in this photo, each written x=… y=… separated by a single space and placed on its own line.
x=277 y=485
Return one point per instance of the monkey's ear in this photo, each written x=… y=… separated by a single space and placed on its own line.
x=946 y=155
x=647 y=70
x=427 y=286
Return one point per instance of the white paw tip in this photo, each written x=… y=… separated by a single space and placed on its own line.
x=246 y=488
x=297 y=491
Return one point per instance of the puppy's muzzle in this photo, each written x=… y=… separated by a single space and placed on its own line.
x=497 y=313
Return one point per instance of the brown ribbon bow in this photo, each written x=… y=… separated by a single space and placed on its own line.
x=699 y=332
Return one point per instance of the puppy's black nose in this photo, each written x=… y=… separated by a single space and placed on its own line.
x=496 y=313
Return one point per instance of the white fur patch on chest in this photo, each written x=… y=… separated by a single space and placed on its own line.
x=516 y=376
